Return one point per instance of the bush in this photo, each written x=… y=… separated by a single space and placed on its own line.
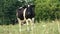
x=47 y=9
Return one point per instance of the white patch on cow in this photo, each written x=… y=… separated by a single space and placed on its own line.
x=28 y=5
x=24 y=13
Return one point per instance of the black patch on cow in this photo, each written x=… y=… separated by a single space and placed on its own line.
x=29 y=12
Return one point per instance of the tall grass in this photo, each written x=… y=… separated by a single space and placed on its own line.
x=44 y=27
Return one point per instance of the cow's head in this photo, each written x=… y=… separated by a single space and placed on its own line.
x=30 y=8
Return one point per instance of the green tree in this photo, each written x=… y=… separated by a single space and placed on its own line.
x=47 y=9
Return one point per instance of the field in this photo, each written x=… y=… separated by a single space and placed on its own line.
x=43 y=27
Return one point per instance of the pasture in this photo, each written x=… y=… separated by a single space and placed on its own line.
x=44 y=27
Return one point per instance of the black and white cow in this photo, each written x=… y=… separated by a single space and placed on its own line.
x=26 y=14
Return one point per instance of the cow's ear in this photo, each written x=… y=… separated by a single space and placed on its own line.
x=32 y=5
x=20 y=7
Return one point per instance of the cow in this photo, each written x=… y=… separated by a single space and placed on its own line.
x=26 y=15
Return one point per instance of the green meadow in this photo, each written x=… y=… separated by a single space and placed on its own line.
x=44 y=27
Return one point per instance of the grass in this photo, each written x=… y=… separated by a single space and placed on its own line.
x=52 y=27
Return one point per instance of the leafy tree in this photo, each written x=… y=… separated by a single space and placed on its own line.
x=47 y=9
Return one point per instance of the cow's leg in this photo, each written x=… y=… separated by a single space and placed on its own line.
x=31 y=25
x=33 y=20
x=27 y=25
x=19 y=21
